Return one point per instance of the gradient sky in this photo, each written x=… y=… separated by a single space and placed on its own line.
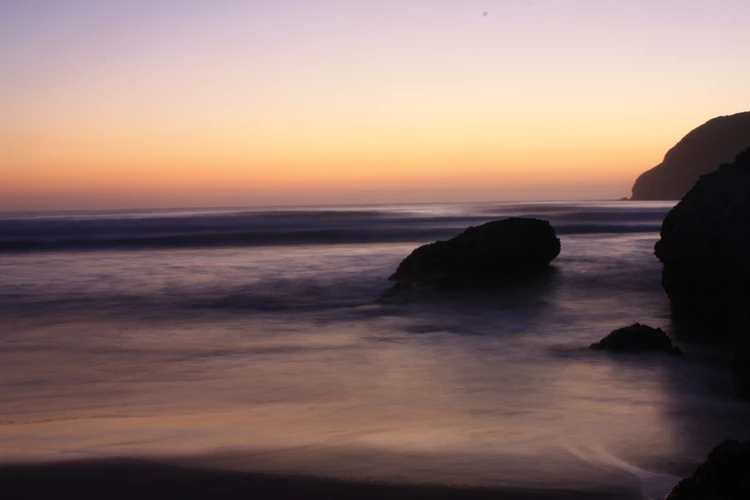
x=222 y=103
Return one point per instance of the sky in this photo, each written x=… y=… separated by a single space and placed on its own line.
x=157 y=103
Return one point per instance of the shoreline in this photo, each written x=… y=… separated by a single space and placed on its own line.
x=116 y=478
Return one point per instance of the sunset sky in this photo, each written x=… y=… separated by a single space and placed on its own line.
x=151 y=103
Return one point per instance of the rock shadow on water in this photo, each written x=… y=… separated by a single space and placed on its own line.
x=523 y=306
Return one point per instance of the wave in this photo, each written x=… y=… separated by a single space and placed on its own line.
x=195 y=229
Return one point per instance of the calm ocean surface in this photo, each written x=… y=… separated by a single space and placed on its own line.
x=254 y=339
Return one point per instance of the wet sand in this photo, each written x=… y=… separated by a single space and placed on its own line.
x=141 y=479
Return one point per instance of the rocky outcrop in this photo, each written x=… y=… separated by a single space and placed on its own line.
x=637 y=338
x=492 y=254
x=700 y=152
x=724 y=476
x=705 y=249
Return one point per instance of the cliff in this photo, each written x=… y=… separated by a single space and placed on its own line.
x=704 y=247
x=700 y=152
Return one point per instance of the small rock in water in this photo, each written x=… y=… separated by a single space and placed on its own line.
x=492 y=254
x=637 y=338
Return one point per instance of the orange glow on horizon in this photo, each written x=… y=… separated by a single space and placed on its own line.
x=352 y=98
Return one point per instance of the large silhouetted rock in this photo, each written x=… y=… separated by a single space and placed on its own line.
x=488 y=255
x=637 y=338
x=724 y=476
x=701 y=151
x=705 y=249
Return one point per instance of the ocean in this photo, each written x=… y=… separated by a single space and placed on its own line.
x=265 y=340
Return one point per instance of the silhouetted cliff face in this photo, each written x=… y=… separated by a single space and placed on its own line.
x=705 y=244
x=705 y=249
x=701 y=151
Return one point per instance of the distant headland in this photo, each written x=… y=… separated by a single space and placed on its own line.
x=698 y=153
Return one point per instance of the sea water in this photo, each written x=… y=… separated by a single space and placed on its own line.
x=259 y=339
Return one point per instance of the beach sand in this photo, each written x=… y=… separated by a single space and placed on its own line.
x=141 y=479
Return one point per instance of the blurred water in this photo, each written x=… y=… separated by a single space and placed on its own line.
x=274 y=353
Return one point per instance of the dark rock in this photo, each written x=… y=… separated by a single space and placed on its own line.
x=705 y=249
x=724 y=476
x=741 y=366
x=700 y=152
x=690 y=489
x=637 y=338
x=492 y=254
